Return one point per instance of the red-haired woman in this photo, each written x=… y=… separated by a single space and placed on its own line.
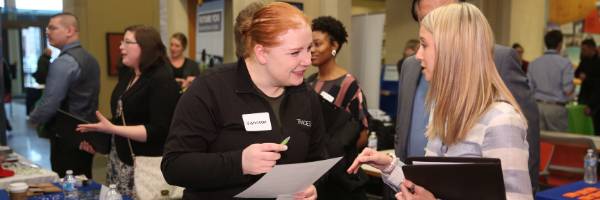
x=227 y=127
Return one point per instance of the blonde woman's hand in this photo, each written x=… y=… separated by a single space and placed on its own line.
x=372 y=158
x=104 y=125
x=261 y=158
x=309 y=194
x=411 y=191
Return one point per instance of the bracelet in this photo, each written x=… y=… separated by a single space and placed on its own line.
x=390 y=168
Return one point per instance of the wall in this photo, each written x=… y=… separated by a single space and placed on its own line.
x=367 y=6
x=527 y=24
x=100 y=17
x=399 y=28
x=177 y=19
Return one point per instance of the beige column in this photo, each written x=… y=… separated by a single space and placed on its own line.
x=177 y=20
x=399 y=28
x=527 y=25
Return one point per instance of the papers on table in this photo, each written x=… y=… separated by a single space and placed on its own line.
x=283 y=181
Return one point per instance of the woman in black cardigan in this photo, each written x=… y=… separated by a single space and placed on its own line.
x=147 y=94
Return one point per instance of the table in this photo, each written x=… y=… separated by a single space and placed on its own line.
x=579 y=122
x=557 y=192
x=88 y=192
x=26 y=171
x=595 y=139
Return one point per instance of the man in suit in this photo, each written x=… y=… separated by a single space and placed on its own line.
x=412 y=117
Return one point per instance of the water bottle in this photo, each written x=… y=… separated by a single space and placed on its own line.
x=112 y=193
x=590 y=161
x=372 y=144
x=68 y=186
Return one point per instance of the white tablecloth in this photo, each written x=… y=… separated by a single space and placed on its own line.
x=27 y=172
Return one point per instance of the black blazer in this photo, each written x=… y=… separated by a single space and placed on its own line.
x=150 y=102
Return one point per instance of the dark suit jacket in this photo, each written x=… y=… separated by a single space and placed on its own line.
x=513 y=76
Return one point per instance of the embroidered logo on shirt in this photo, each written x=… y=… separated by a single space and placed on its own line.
x=304 y=122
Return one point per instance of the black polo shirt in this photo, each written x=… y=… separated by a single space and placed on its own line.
x=203 y=151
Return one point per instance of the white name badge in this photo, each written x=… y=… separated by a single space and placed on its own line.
x=257 y=121
x=327 y=96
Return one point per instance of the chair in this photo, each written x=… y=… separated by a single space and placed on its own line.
x=563 y=154
x=546 y=152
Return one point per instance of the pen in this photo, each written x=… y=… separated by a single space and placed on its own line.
x=285 y=141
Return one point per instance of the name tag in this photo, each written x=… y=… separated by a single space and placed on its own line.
x=257 y=121
x=327 y=96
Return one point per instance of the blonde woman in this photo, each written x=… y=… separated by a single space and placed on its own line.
x=473 y=114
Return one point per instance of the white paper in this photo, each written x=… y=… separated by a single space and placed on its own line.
x=439 y=163
x=286 y=180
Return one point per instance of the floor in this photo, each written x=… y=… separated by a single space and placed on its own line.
x=24 y=140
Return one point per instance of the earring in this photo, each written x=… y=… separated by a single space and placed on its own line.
x=333 y=53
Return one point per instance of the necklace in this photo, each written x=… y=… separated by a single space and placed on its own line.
x=120 y=101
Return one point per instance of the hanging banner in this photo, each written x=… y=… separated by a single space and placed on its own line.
x=591 y=23
x=565 y=11
x=209 y=29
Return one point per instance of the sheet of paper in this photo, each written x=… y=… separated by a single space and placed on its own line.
x=439 y=163
x=285 y=180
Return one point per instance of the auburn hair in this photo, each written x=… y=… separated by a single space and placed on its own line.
x=271 y=21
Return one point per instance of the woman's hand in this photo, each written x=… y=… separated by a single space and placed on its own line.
x=309 y=194
x=411 y=191
x=103 y=125
x=370 y=157
x=261 y=158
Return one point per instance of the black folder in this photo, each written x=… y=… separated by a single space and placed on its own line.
x=461 y=178
x=100 y=141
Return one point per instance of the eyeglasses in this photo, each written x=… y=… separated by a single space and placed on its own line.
x=51 y=28
x=126 y=42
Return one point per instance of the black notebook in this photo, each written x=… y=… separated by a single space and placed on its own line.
x=461 y=178
x=100 y=141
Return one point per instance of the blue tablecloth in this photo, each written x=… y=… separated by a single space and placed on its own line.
x=88 y=192
x=557 y=192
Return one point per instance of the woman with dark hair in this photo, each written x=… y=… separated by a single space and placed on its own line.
x=185 y=70
x=145 y=98
x=335 y=85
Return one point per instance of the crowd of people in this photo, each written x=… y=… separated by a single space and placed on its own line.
x=218 y=131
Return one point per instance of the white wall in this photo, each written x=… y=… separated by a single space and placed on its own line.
x=367 y=31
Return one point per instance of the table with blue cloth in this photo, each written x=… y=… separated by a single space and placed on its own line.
x=91 y=191
x=557 y=192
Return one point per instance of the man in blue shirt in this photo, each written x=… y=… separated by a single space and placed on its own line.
x=551 y=78
x=72 y=85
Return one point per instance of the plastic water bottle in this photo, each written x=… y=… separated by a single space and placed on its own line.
x=68 y=186
x=591 y=162
x=372 y=144
x=112 y=193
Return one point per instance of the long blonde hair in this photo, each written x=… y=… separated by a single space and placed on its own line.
x=465 y=81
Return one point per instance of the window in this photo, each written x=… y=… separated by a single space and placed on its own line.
x=45 y=5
